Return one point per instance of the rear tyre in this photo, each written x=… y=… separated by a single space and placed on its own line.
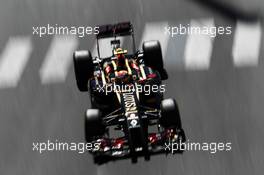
x=93 y=124
x=83 y=68
x=153 y=57
x=170 y=116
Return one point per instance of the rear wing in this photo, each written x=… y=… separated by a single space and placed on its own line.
x=112 y=30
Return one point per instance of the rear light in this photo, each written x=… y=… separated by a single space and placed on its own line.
x=153 y=138
x=118 y=143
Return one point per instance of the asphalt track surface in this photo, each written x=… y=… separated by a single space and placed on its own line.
x=222 y=104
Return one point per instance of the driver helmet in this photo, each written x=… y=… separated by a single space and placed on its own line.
x=119 y=53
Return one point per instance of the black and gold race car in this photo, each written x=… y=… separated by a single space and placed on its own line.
x=128 y=117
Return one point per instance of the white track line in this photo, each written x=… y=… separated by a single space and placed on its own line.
x=13 y=60
x=58 y=59
x=156 y=31
x=174 y=59
x=246 y=46
x=199 y=47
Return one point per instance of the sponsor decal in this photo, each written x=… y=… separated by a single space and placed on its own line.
x=130 y=103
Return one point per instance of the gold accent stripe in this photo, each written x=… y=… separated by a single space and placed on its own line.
x=114 y=65
x=128 y=67
x=142 y=72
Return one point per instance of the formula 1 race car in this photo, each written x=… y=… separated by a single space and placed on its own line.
x=129 y=117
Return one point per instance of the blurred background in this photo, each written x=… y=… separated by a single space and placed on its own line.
x=218 y=83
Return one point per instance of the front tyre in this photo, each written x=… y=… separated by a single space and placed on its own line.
x=83 y=68
x=170 y=115
x=93 y=124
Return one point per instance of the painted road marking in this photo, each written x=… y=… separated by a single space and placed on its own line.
x=13 y=60
x=156 y=31
x=199 y=47
x=246 y=46
x=196 y=56
x=175 y=51
x=58 y=59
